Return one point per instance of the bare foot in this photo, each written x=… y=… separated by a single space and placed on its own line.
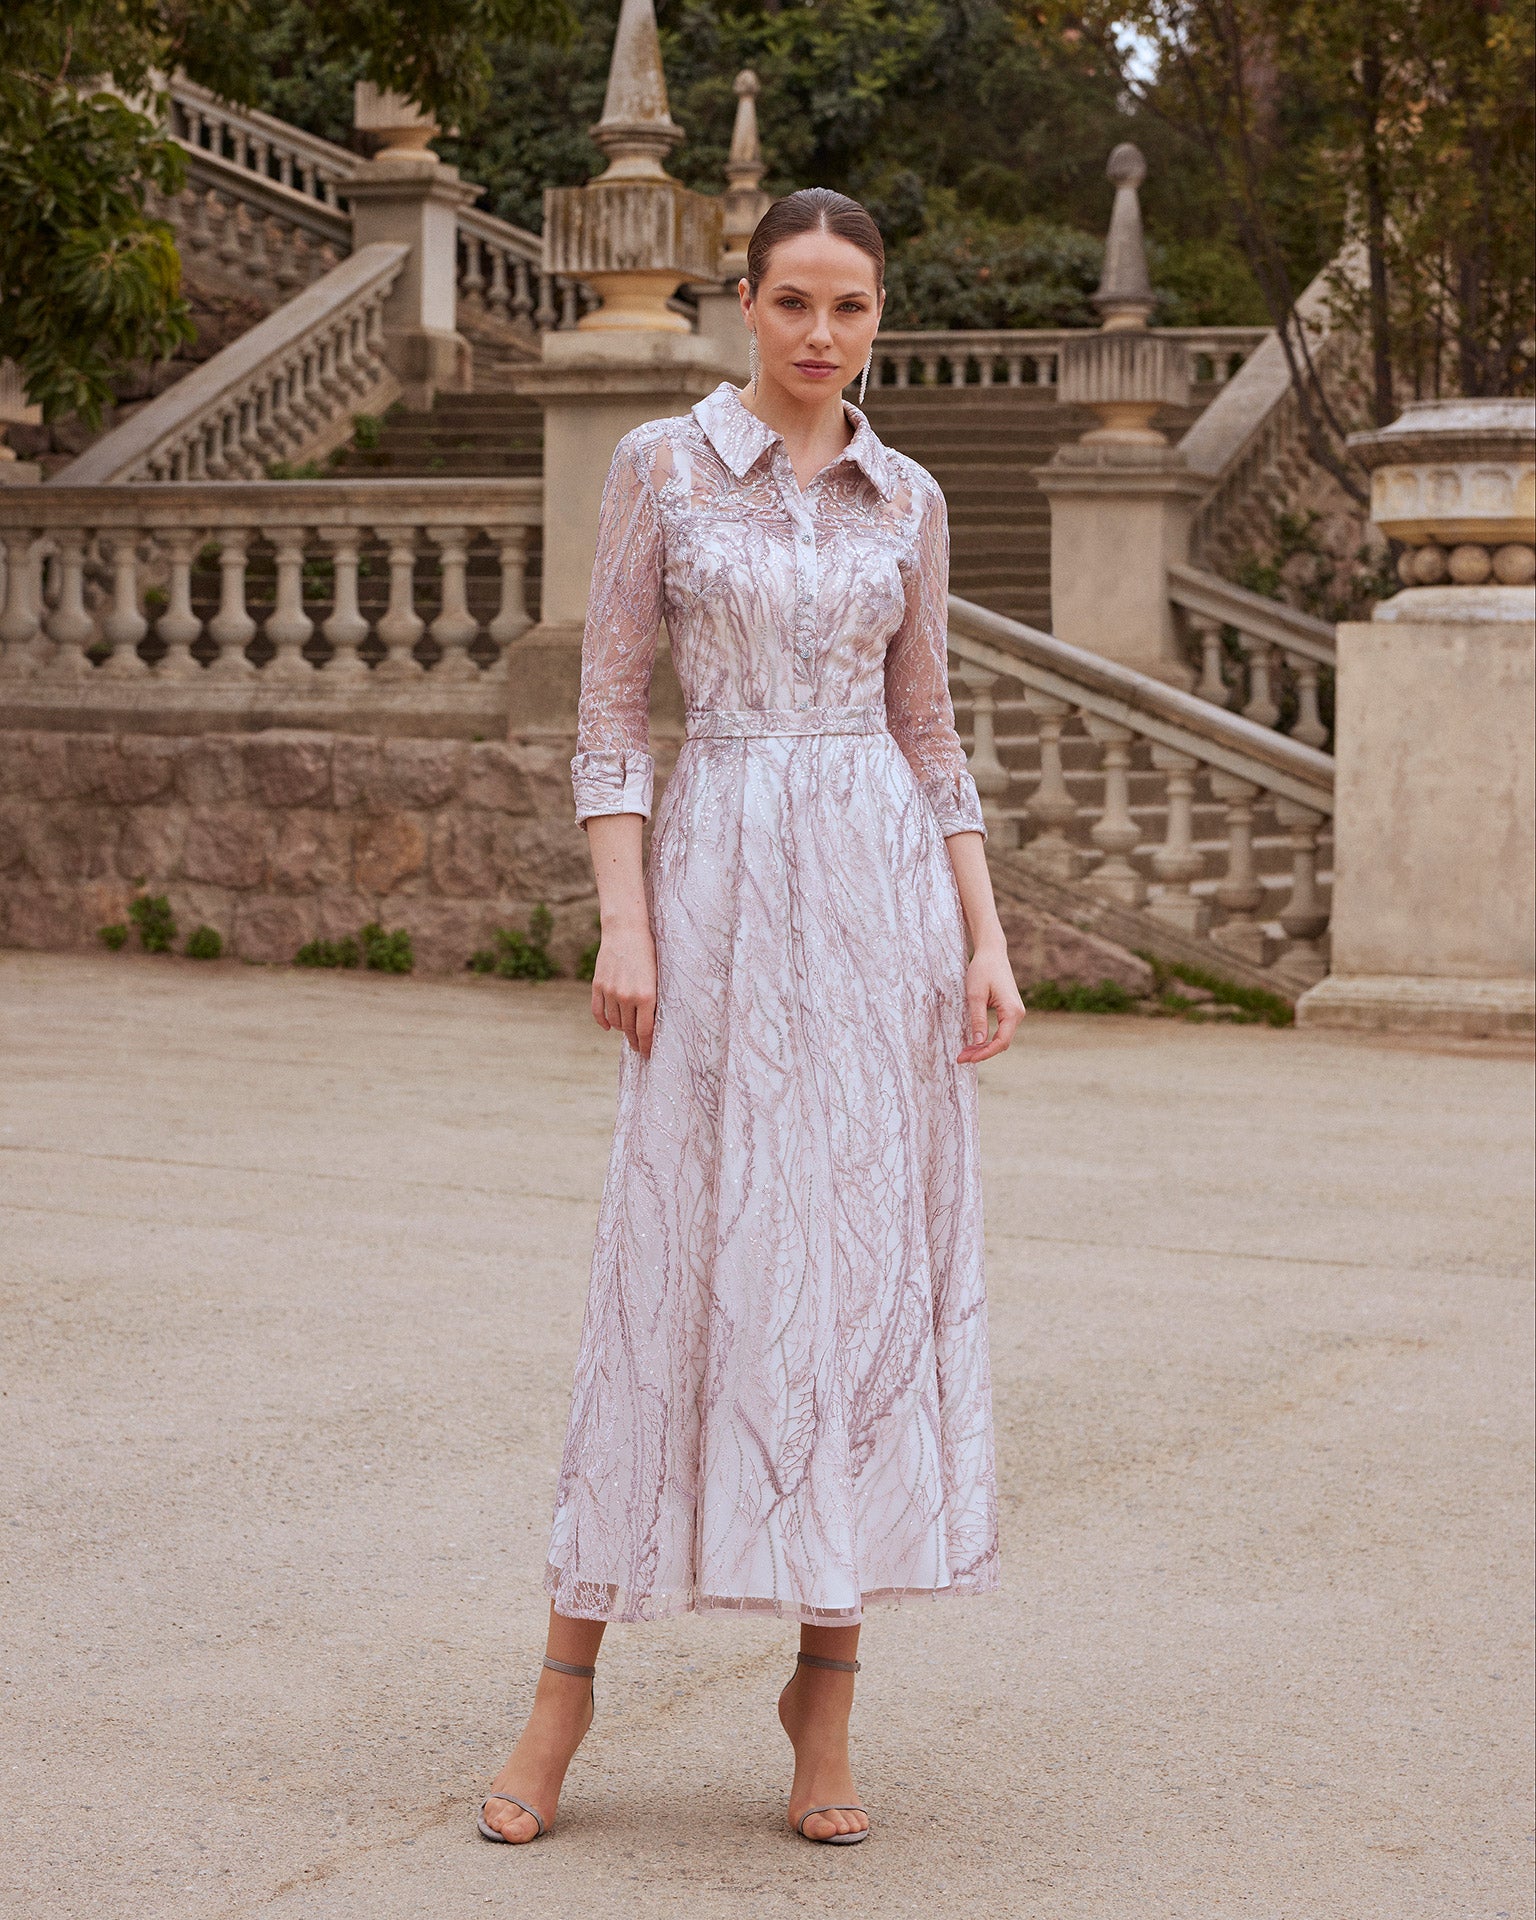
x=562 y=1712
x=814 y=1710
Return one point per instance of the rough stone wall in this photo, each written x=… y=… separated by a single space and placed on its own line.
x=282 y=837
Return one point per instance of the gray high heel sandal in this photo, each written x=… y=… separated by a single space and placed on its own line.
x=490 y=1833
x=830 y=1839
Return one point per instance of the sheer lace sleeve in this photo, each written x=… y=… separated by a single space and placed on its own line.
x=613 y=771
x=918 y=708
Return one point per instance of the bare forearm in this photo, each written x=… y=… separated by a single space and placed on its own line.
x=967 y=854
x=614 y=842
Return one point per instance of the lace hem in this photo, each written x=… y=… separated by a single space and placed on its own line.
x=613 y=780
x=956 y=804
x=594 y=1600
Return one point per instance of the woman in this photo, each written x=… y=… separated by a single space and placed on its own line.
x=782 y=1401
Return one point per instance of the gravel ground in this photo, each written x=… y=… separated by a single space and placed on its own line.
x=292 y=1276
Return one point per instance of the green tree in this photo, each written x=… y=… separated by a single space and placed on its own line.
x=87 y=279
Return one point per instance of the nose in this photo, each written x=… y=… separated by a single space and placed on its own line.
x=820 y=334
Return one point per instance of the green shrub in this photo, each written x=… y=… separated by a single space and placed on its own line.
x=329 y=953
x=367 y=431
x=113 y=936
x=1253 y=1004
x=521 y=956
x=207 y=943
x=151 y=914
x=387 y=952
x=1050 y=996
x=295 y=470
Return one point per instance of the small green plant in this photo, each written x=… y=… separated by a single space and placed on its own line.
x=156 y=600
x=151 y=914
x=207 y=943
x=295 y=470
x=114 y=936
x=520 y=956
x=329 y=953
x=387 y=952
x=1252 y=1005
x=207 y=560
x=1050 y=996
x=367 y=431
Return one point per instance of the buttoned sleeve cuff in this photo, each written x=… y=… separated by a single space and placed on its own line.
x=613 y=780
x=956 y=804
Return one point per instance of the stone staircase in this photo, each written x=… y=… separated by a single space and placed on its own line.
x=465 y=435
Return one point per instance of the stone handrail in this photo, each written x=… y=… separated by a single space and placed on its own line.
x=258 y=144
x=1266 y=630
x=287 y=390
x=1148 y=797
x=273 y=603
x=1017 y=357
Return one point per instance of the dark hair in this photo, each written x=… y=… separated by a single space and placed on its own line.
x=813 y=210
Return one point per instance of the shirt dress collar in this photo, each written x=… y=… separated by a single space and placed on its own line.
x=741 y=439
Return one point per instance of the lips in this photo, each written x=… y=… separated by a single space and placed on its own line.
x=816 y=366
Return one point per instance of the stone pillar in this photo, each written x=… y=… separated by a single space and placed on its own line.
x=742 y=205
x=1122 y=499
x=15 y=412
x=406 y=194
x=1433 y=905
x=634 y=235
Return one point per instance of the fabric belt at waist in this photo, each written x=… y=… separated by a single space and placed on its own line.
x=724 y=723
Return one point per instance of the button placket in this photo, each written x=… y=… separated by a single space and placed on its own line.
x=803 y=638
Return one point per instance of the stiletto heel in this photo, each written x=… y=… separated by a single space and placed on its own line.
x=828 y=1839
x=490 y=1833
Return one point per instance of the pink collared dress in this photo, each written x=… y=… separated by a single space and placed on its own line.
x=782 y=1401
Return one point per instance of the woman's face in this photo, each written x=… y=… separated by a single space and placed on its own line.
x=816 y=314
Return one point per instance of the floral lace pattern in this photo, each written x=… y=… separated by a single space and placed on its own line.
x=782 y=1397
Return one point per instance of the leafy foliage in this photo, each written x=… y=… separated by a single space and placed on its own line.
x=1050 y=996
x=114 y=937
x=520 y=956
x=329 y=953
x=206 y=943
x=151 y=914
x=386 y=952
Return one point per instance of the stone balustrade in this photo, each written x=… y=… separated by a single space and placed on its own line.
x=258 y=145
x=501 y=273
x=377 y=606
x=248 y=235
x=1268 y=660
x=1149 y=797
x=288 y=390
x=1020 y=357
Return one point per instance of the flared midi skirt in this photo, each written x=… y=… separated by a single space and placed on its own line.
x=782 y=1398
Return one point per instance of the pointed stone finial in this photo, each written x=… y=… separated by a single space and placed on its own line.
x=1125 y=297
x=637 y=130
x=743 y=203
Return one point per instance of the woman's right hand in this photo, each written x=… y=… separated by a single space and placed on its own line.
x=624 y=983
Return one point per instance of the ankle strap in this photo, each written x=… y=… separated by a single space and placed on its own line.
x=564 y=1666
x=833 y=1666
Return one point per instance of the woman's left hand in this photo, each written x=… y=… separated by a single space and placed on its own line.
x=989 y=982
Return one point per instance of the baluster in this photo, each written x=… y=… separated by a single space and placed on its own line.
x=402 y=626
x=1309 y=728
x=285 y=166
x=1115 y=830
x=569 y=313
x=1240 y=893
x=307 y=179
x=288 y=625
x=199 y=228
x=930 y=364
x=1176 y=862
x=498 y=299
x=179 y=626
x=286 y=271
x=544 y=315
x=346 y=626
x=231 y=245
x=1051 y=806
x=124 y=625
x=261 y=156
x=455 y=627
x=258 y=262
x=1015 y=369
x=20 y=626
x=68 y=623
x=232 y=626
x=1262 y=707
x=512 y=616
x=986 y=765
x=1304 y=917
x=903 y=370
x=471 y=280
x=1213 y=685
x=522 y=298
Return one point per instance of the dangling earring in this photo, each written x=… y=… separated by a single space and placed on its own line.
x=752 y=361
x=864 y=377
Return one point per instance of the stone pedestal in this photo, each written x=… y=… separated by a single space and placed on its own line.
x=415 y=199
x=1434 y=905
x=1120 y=516
x=721 y=325
x=593 y=388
